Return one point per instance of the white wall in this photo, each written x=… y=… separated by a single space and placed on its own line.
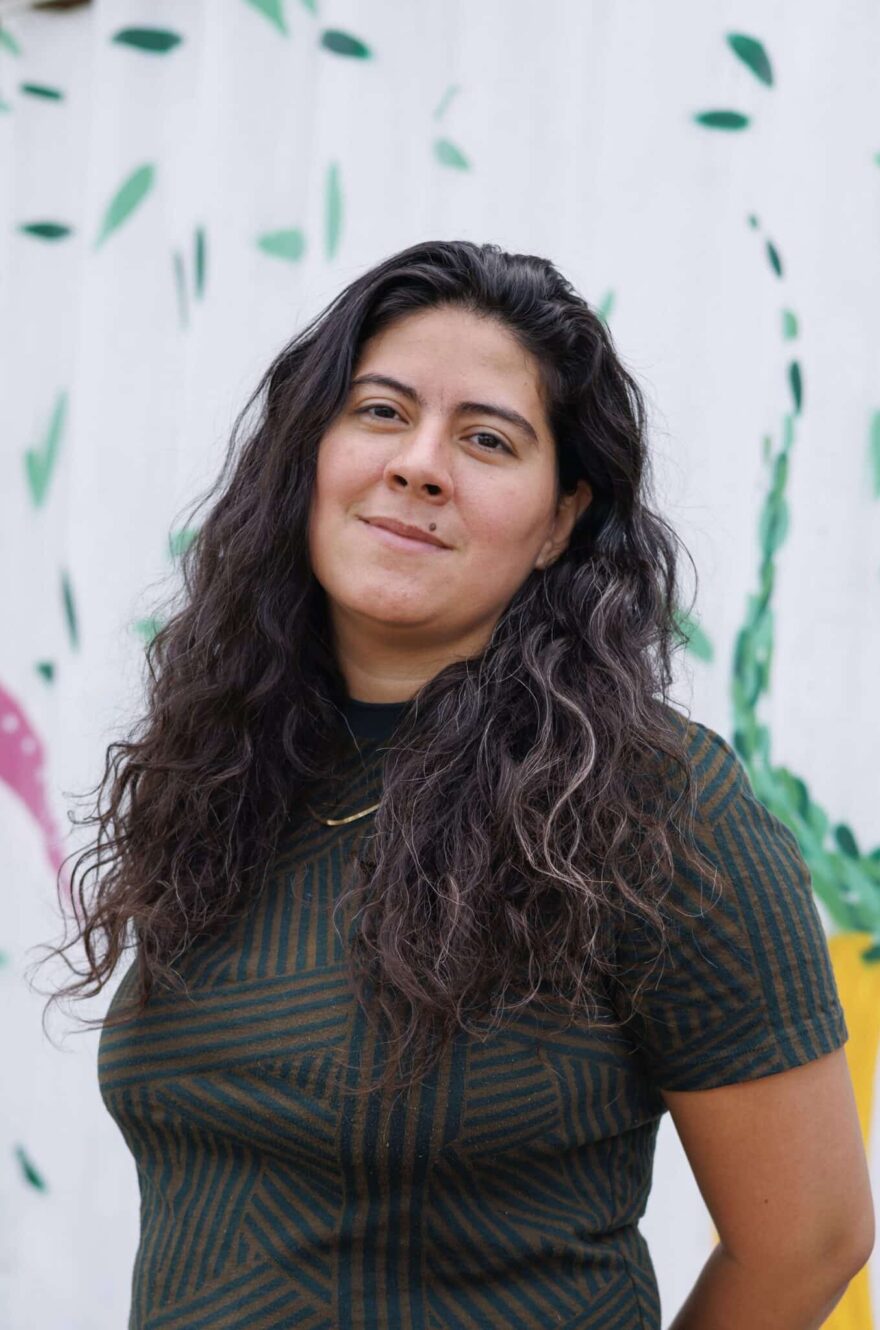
x=576 y=121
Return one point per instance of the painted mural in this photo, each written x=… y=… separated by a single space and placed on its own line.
x=140 y=254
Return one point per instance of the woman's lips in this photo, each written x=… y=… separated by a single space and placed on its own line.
x=403 y=542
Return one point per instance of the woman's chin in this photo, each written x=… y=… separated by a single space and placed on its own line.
x=406 y=604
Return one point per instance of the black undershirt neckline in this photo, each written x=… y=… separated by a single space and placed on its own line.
x=373 y=720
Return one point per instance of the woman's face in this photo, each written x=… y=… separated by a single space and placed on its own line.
x=457 y=439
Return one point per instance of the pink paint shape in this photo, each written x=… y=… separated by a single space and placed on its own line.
x=22 y=768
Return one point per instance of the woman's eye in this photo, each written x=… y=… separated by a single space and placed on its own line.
x=378 y=406
x=480 y=434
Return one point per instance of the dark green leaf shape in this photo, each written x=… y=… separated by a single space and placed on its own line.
x=69 y=610
x=846 y=840
x=179 y=541
x=342 y=43
x=180 y=283
x=872 y=955
x=157 y=41
x=273 y=11
x=874 y=452
x=722 y=119
x=789 y=325
x=40 y=461
x=30 y=1172
x=128 y=196
x=751 y=52
x=288 y=244
x=773 y=256
x=797 y=387
x=47 y=669
x=332 y=210
x=448 y=154
x=46 y=230
x=800 y=793
x=41 y=91
x=199 y=262
x=8 y=42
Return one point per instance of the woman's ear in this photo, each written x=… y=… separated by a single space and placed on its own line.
x=568 y=511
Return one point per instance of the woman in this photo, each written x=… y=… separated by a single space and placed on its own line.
x=438 y=905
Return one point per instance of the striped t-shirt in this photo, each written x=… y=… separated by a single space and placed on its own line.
x=506 y=1189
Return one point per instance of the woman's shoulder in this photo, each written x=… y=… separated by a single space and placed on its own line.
x=715 y=768
x=701 y=738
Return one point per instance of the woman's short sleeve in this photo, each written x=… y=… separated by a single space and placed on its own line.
x=746 y=988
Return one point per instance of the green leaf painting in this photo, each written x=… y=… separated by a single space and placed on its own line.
x=846 y=879
x=448 y=154
x=46 y=669
x=342 y=43
x=698 y=643
x=31 y=1175
x=289 y=244
x=722 y=119
x=846 y=840
x=40 y=461
x=874 y=452
x=752 y=54
x=69 y=610
x=774 y=259
x=179 y=541
x=180 y=287
x=789 y=325
x=199 y=262
x=147 y=628
x=127 y=198
x=273 y=11
x=773 y=526
x=332 y=210
x=46 y=230
x=41 y=90
x=445 y=100
x=8 y=42
x=156 y=41
x=796 y=384
x=603 y=310
x=311 y=6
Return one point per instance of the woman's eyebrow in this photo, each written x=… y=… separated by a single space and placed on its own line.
x=469 y=408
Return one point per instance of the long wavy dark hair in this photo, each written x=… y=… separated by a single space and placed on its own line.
x=536 y=795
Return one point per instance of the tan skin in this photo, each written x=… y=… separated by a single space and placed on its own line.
x=781 y=1166
x=400 y=617
x=779 y=1161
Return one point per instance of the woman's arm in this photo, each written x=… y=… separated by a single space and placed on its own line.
x=729 y=1296
x=781 y=1166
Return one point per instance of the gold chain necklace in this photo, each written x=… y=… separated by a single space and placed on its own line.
x=341 y=821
